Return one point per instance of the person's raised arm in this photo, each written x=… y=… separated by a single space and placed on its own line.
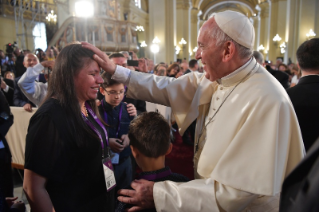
x=101 y=58
x=37 y=195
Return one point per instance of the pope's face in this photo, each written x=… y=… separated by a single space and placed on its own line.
x=209 y=53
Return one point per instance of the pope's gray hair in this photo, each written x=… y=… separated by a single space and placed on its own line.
x=221 y=37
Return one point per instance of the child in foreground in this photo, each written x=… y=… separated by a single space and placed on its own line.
x=149 y=135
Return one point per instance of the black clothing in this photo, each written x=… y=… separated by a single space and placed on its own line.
x=305 y=99
x=155 y=176
x=74 y=172
x=187 y=71
x=6 y=121
x=19 y=67
x=9 y=94
x=300 y=189
x=281 y=76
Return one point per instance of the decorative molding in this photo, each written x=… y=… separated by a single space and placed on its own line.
x=183 y=4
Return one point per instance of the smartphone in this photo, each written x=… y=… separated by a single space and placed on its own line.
x=131 y=54
x=132 y=62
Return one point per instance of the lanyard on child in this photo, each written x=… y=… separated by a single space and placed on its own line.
x=88 y=107
x=120 y=117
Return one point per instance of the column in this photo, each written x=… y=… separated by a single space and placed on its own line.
x=193 y=31
x=182 y=26
x=162 y=24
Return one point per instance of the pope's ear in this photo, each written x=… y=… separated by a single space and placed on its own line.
x=229 y=51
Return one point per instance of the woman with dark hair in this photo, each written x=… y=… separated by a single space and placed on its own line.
x=172 y=70
x=67 y=157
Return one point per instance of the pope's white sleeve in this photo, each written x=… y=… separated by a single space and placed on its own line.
x=122 y=75
x=200 y=195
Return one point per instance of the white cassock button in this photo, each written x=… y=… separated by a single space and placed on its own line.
x=217 y=98
x=221 y=88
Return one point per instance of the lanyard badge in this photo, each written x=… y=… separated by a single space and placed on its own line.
x=106 y=159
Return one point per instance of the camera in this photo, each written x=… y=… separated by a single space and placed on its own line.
x=52 y=47
x=10 y=49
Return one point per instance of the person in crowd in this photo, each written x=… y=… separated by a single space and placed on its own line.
x=184 y=66
x=300 y=188
x=67 y=158
x=297 y=74
x=160 y=70
x=150 y=65
x=7 y=86
x=40 y=55
x=19 y=63
x=115 y=114
x=52 y=53
x=9 y=75
x=281 y=76
x=173 y=69
x=193 y=66
x=6 y=121
x=150 y=142
x=304 y=96
x=247 y=134
x=284 y=68
x=29 y=84
x=19 y=98
x=278 y=63
x=139 y=105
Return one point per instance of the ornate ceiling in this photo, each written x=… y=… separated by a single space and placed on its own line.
x=207 y=7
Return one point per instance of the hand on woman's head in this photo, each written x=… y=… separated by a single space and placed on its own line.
x=101 y=58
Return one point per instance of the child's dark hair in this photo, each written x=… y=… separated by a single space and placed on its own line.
x=108 y=81
x=150 y=134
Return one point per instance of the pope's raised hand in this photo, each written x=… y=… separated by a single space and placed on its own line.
x=101 y=58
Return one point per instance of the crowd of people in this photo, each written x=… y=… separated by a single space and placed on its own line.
x=250 y=122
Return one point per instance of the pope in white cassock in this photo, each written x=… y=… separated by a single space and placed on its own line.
x=247 y=134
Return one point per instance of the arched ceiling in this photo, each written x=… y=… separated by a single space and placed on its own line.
x=207 y=7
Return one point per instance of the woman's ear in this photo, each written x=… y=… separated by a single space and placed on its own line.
x=102 y=91
x=169 y=149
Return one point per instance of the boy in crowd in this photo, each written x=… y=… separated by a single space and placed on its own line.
x=149 y=136
x=118 y=116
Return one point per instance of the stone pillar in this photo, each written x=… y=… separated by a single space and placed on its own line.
x=265 y=28
x=183 y=26
x=162 y=24
x=193 y=31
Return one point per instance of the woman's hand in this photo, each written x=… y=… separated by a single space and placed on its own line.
x=115 y=146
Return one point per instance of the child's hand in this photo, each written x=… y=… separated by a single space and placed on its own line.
x=131 y=109
x=115 y=146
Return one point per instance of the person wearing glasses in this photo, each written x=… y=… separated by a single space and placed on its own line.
x=115 y=113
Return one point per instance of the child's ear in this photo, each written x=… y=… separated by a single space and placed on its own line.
x=169 y=149
x=135 y=152
x=102 y=91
